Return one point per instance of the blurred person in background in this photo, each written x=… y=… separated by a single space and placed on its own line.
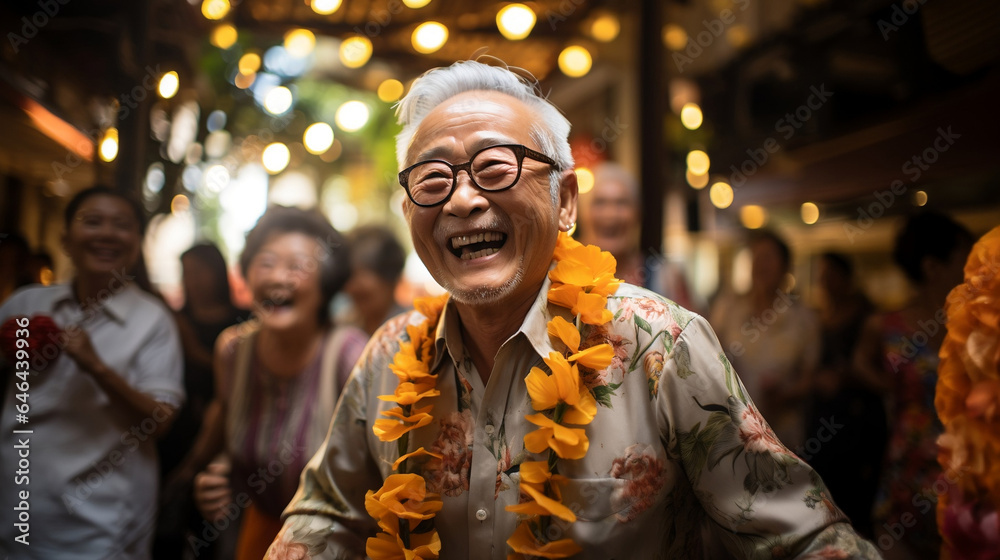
x=14 y=272
x=278 y=376
x=208 y=310
x=610 y=218
x=102 y=389
x=897 y=355
x=848 y=419
x=377 y=261
x=772 y=339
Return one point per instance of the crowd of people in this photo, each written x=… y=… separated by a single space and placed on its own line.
x=233 y=413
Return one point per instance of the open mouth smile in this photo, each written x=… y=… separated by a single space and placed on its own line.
x=477 y=245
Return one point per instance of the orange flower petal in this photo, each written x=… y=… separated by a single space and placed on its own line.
x=385 y=547
x=420 y=452
x=565 y=331
x=542 y=389
x=523 y=542
x=596 y=357
x=591 y=308
x=551 y=507
x=582 y=412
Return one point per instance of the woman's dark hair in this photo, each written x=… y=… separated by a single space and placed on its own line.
x=103 y=190
x=210 y=256
x=334 y=258
x=929 y=234
x=769 y=236
x=376 y=248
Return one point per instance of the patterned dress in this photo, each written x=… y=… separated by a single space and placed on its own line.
x=910 y=473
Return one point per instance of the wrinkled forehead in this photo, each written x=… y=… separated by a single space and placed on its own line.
x=481 y=113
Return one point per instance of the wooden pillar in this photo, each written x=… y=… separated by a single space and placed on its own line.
x=653 y=101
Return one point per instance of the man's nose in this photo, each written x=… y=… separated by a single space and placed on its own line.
x=467 y=197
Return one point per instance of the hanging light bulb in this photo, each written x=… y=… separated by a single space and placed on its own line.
x=109 y=145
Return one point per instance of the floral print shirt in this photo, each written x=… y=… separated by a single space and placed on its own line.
x=680 y=465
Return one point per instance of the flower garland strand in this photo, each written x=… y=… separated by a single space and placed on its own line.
x=968 y=402
x=581 y=281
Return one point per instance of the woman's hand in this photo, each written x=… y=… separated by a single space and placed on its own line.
x=211 y=491
x=79 y=347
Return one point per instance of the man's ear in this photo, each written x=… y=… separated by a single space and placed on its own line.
x=568 y=193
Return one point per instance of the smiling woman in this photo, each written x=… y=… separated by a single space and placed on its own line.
x=278 y=376
x=119 y=372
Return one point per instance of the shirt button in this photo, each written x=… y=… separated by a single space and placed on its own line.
x=489 y=429
x=481 y=514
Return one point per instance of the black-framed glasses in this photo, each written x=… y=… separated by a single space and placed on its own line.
x=493 y=169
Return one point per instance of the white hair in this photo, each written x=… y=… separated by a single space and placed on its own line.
x=436 y=86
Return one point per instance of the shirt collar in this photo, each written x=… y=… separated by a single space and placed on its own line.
x=116 y=306
x=534 y=328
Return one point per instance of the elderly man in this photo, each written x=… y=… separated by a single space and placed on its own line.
x=544 y=409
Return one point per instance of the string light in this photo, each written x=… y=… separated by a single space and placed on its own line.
x=753 y=216
x=584 y=179
x=355 y=51
x=215 y=9
x=224 y=36
x=691 y=116
x=698 y=162
x=318 y=138
x=390 y=90
x=275 y=157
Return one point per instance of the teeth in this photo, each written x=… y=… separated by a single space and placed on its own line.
x=463 y=240
x=484 y=253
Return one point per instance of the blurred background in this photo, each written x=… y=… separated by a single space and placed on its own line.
x=828 y=122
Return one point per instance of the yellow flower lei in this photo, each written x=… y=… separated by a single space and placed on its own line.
x=582 y=280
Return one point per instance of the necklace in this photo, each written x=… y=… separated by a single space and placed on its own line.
x=581 y=281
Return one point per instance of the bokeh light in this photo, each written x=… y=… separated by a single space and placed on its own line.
x=325 y=7
x=275 y=157
x=300 y=42
x=605 y=27
x=515 y=21
x=318 y=138
x=224 y=36
x=674 y=37
x=697 y=181
x=109 y=145
x=390 y=90
x=575 y=61
x=753 y=216
x=355 y=51
x=691 y=116
x=351 y=116
x=429 y=36
x=721 y=195
x=809 y=212
x=278 y=100
x=169 y=84
x=698 y=162
x=215 y=9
